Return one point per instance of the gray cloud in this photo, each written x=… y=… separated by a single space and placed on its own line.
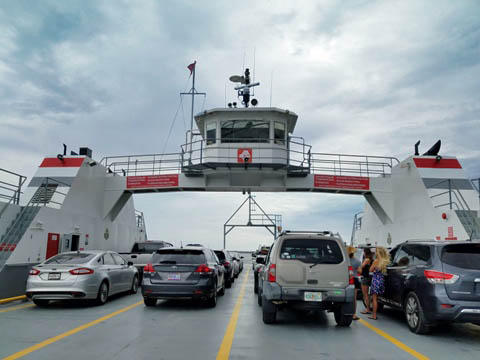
x=366 y=78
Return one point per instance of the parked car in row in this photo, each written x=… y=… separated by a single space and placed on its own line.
x=142 y=252
x=227 y=262
x=434 y=282
x=307 y=269
x=80 y=275
x=238 y=259
x=260 y=253
x=183 y=273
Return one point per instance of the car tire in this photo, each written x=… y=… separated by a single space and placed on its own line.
x=212 y=301
x=341 y=318
x=222 y=290
x=269 y=311
x=149 y=301
x=102 y=295
x=134 y=288
x=255 y=284
x=380 y=307
x=228 y=283
x=41 y=302
x=259 y=299
x=414 y=314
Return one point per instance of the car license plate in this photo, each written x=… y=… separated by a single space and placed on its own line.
x=174 y=277
x=312 y=296
x=54 y=276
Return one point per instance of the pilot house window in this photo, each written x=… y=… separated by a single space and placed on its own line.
x=279 y=133
x=211 y=132
x=245 y=131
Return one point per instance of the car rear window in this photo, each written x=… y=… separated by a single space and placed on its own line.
x=148 y=248
x=465 y=256
x=220 y=255
x=81 y=258
x=312 y=251
x=181 y=256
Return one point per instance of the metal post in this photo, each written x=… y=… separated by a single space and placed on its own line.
x=450 y=192
x=224 y=236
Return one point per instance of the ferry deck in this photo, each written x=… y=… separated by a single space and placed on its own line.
x=125 y=329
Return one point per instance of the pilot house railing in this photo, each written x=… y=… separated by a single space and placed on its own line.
x=292 y=154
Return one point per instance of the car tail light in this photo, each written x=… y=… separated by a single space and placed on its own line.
x=34 y=271
x=203 y=269
x=272 y=273
x=148 y=268
x=226 y=263
x=438 y=277
x=351 y=281
x=81 y=271
x=446 y=306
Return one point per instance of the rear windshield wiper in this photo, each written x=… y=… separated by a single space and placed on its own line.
x=168 y=262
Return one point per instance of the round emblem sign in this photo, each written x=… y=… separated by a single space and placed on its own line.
x=106 y=234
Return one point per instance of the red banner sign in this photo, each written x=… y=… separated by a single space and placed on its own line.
x=152 y=181
x=342 y=182
x=244 y=155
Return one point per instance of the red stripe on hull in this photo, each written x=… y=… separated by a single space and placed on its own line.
x=67 y=162
x=440 y=164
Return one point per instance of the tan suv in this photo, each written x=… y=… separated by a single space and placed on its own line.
x=308 y=269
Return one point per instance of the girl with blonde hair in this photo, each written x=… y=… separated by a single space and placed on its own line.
x=379 y=270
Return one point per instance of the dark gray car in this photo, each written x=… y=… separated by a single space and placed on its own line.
x=183 y=273
x=434 y=282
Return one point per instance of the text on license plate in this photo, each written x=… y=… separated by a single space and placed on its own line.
x=54 y=276
x=312 y=296
x=173 y=277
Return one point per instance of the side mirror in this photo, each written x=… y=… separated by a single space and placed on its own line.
x=260 y=260
x=130 y=263
x=241 y=257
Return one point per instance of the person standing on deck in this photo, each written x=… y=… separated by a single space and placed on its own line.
x=355 y=265
x=379 y=270
x=364 y=270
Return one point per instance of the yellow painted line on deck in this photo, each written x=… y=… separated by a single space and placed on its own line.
x=54 y=339
x=13 y=308
x=6 y=300
x=394 y=341
x=224 y=351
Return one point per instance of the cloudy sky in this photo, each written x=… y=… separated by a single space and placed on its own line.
x=365 y=77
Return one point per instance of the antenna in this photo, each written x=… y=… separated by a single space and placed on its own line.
x=253 y=74
x=271 y=87
x=244 y=88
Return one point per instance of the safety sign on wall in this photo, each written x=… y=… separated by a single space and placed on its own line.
x=342 y=182
x=152 y=181
x=244 y=155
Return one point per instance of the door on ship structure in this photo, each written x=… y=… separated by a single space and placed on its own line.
x=53 y=244
x=70 y=242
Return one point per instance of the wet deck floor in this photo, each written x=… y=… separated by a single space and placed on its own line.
x=125 y=329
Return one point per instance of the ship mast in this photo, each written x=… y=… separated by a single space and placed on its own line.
x=193 y=92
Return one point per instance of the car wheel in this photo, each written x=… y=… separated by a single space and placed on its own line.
x=414 y=313
x=255 y=284
x=380 y=306
x=149 y=301
x=222 y=290
x=41 y=302
x=259 y=299
x=212 y=301
x=269 y=311
x=102 y=295
x=228 y=283
x=341 y=318
x=134 y=288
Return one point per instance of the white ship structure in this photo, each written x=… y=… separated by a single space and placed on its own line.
x=75 y=202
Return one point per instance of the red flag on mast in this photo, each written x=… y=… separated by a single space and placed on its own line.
x=191 y=67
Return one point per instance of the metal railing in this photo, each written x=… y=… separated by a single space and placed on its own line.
x=20 y=225
x=357 y=165
x=10 y=188
x=295 y=155
x=357 y=225
x=456 y=201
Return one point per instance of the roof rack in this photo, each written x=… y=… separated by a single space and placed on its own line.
x=421 y=240
x=326 y=232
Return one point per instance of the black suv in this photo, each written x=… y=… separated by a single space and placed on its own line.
x=434 y=282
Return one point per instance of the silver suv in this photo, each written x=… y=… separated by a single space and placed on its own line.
x=308 y=269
